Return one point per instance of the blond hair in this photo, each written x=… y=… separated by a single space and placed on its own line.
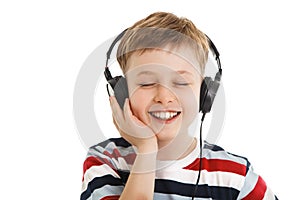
x=159 y=30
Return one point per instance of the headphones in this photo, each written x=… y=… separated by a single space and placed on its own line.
x=208 y=91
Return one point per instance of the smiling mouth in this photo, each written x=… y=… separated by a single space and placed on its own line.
x=164 y=115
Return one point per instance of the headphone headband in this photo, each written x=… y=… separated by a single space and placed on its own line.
x=212 y=47
x=108 y=53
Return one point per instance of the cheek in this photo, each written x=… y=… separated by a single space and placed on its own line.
x=190 y=103
x=139 y=101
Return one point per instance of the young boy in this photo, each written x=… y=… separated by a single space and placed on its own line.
x=163 y=58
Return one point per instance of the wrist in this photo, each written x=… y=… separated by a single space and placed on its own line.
x=145 y=163
x=148 y=148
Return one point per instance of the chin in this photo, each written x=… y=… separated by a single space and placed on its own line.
x=168 y=134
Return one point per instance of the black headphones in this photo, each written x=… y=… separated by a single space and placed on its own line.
x=209 y=87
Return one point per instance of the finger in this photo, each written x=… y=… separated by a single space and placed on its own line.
x=127 y=110
x=141 y=128
x=115 y=123
x=116 y=110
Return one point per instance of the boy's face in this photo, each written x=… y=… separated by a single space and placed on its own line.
x=164 y=90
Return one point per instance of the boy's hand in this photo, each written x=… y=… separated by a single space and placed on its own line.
x=132 y=129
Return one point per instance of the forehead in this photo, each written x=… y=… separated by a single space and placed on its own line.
x=164 y=60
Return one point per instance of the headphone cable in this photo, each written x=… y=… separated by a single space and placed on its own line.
x=200 y=157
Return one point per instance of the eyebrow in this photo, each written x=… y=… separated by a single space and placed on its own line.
x=184 y=72
x=146 y=73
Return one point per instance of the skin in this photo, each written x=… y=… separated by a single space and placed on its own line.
x=158 y=80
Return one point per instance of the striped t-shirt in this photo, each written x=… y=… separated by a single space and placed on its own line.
x=224 y=176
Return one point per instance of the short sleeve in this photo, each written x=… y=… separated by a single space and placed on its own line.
x=104 y=170
x=100 y=180
x=255 y=188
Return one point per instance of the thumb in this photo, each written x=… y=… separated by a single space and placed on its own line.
x=115 y=123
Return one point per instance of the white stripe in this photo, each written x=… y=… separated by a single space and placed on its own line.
x=218 y=178
x=269 y=195
x=160 y=196
x=105 y=191
x=95 y=153
x=249 y=184
x=121 y=164
x=225 y=179
x=223 y=155
x=97 y=171
x=110 y=147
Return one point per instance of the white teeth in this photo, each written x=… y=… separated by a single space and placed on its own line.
x=164 y=115
x=168 y=115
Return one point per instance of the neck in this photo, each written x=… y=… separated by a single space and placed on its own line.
x=176 y=149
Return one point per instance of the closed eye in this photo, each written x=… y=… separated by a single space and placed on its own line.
x=146 y=84
x=182 y=84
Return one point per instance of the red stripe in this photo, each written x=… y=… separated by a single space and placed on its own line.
x=116 y=154
x=218 y=165
x=130 y=158
x=116 y=197
x=91 y=161
x=258 y=192
x=94 y=161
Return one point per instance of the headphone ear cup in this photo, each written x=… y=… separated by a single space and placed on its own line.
x=208 y=93
x=203 y=94
x=120 y=88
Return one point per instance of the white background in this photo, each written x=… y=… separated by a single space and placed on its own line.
x=44 y=44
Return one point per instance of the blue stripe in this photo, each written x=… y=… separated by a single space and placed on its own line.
x=167 y=187
x=212 y=147
x=119 y=142
x=98 y=183
x=203 y=191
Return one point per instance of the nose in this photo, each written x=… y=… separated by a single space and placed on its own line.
x=164 y=95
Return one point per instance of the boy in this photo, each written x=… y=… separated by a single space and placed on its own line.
x=163 y=59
